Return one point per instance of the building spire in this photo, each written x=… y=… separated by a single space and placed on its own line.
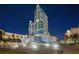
x=30 y=21
x=37 y=6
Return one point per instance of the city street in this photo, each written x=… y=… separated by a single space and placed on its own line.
x=42 y=51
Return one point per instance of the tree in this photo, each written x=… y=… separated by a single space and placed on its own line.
x=75 y=38
x=0 y=35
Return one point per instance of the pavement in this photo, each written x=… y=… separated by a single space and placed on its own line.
x=71 y=50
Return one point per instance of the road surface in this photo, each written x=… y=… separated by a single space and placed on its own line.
x=67 y=50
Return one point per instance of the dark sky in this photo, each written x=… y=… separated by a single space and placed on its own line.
x=15 y=18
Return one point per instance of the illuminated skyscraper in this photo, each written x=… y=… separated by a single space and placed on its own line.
x=31 y=28
x=40 y=25
x=31 y=31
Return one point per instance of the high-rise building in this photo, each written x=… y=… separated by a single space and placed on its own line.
x=42 y=19
x=31 y=31
x=40 y=25
x=31 y=28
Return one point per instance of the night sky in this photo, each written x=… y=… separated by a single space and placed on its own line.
x=15 y=18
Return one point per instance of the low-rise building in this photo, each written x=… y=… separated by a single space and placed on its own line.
x=11 y=36
x=72 y=36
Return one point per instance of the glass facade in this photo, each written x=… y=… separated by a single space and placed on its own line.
x=40 y=25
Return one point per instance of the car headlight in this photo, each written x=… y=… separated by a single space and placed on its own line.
x=15 y=46
x=56 y=46
x=34 y=47
x=47 y=45
x=24 y=45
